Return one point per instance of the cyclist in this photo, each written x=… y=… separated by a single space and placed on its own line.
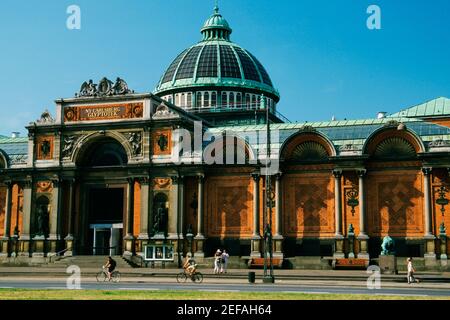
x=189 y=265
x=110 y=266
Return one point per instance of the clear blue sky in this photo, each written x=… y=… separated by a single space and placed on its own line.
x=319 y=53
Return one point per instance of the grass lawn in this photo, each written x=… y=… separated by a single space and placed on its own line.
x=23 y=294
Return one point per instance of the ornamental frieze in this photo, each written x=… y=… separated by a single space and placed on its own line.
x=161 y=183
x=68 y=145
x=104 y=112
x=135 y=140
x=44 y=187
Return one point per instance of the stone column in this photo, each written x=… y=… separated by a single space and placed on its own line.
x=256 y=237
x=339 y=238
x=278 y=238
x=7 y=227
x=362 y=237
x=200 y=237
x=26 y=219
x=181 y=207
x=129 y=238
x=174 y=232
x=173 y=225
x=69 y=239
x=146 y=206
x=430 y=255
x=55 y=216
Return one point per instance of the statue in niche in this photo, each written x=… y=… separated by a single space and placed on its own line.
x=160 y=219
x=42 y=220
x=163 y=142
x=45 y=148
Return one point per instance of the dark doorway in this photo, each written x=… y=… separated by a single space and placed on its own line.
x=105 y=221
x=106 y=205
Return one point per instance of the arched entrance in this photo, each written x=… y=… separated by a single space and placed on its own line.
x=103 y=196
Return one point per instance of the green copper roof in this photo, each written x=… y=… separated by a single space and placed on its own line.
x=216 y=27
x=435 y=107
x=216 y=62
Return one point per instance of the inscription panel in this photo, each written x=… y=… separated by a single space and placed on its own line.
x=104 y=112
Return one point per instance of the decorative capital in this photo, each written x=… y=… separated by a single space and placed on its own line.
x=201 y=178
x=337 y=173
x=256 y=176
x=56 y=181
x=361 y=173
x=176 y=179
x=130 y=180
x=144 y=180
x=426 y=171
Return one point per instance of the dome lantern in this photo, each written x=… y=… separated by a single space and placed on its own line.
x=216 y=27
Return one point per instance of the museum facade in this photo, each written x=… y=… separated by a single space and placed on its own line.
x=106 y=174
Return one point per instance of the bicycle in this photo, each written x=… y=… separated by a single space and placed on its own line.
x=183 y=276
x=102 y=276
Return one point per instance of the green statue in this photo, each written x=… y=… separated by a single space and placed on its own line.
x=388 y=246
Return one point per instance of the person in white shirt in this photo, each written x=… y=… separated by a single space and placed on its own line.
x=411 y=271
x=224 y=264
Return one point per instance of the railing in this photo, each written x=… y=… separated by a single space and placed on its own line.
x=57 y=254
x=237 y=107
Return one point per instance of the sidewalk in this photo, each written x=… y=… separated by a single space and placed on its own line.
x=236 y=276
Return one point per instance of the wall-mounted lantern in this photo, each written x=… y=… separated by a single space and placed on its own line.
x=352 y=199
x=442 y=200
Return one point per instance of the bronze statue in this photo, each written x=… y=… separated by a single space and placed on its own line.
x=42 y=221
x=388 y=246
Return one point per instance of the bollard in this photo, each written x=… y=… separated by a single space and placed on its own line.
x=251 y=277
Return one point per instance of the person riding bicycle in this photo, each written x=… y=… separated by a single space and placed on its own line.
x=110 y=266
x=189 y=265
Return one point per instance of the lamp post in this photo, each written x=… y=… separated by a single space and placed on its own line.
x=267 y=217
x=190 y=237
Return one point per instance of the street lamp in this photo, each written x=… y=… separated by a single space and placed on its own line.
x=190 y=237
x=268 y=250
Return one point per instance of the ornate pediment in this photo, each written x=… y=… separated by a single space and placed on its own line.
x=164 y=112
x=104 y=88
x=46 y=118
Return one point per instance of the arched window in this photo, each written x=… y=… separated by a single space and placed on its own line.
x=248 y=100
x=183 y=100
x=103 y=152
x=394 y=148
x=239 y=100
x=224 y=99
x=213 y=100
x=177 y=99
x=199 y=100
x=206 y=100
x=231 y=97
x=309 y=151
x=189 y=100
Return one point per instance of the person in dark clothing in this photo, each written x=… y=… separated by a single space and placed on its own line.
x=110 y=266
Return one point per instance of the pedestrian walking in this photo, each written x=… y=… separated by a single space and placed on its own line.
x=411 y=271
x=217 y=261
x=224 y=262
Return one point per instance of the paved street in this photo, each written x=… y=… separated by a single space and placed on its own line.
x=235 y=285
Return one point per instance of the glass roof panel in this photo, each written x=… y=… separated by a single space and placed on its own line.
x=262 y=70
x=168 y=76
x=187 y=66
x=229 y=66
x=250 y=72
x=207 y=66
